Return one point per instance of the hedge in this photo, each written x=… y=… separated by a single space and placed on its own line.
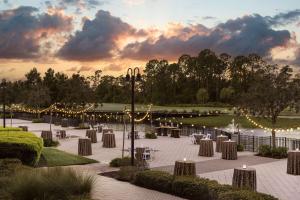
x=10 y=129
x=22 y=145
x=194 y=188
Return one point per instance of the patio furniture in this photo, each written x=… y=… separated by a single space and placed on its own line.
x=175 y=133
x=219 y=141
x=84 y=147
x=229 y=150
x=92 y=134
x=184 y=168
x=24 y=128
x=197 y=138
x=62 y=134
x=136 y=135
x=206 y=148
x=147 y=154
x=244 y=178
x=109 y=140
x=106 y=130
x=46 y=135
x=293 y=162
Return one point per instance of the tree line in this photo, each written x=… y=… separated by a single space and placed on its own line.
x=207 y=77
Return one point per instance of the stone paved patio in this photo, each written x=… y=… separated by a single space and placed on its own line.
x=271 y=173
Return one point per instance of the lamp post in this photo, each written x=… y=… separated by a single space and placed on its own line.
x=132 y=75
x=3 y=87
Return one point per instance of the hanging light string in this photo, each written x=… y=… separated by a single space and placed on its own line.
x=147 y=114
x=268 y=128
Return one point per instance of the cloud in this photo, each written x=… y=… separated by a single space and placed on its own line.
x=72 y=69
x=85 y=68
x=209 y=18
x=97 y=39
x=244 y=35
x=134 y=2
x=81 y=5
x=22 y=30
x=113 y=67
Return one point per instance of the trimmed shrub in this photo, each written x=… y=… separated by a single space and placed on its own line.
x=190 y=188
x=22 y=145
x=38 y=120
x=51 y=183
x=127 y=173
x=150 y=135
x=10 y=129
x=265 y=150
x=240 y=147
x=277 y=152
x=50 y=143
x=119 y=162
x=156 y=180
x=245 y=195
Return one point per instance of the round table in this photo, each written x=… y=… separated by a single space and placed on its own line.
x=24 y=128
x=64 y=122
x=158 y=131
x=293 y=162
x=92 y=134
x=165 y=130
x=206 y=148
x=109 y=140
x=219 y=141
x=198 y=137
x=106 y=130
x=175 y=133
x=139 y=153
x=46 y=135
x=244 y=178
x=184 y=168
x=84 y=147
x=229 y=150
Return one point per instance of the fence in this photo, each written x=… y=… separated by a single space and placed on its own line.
x=252 y=143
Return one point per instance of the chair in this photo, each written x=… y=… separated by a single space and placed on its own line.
x=192 y=138
x=208 y=136
x=146 y=155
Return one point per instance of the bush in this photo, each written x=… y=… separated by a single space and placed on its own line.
x=265 y=150
x=51 y=183
x=156 y=180
x=276 y=152
x=10 y=129
x=127 y=173
x=240 y=147
x=150 y=136
x=50 y=143
x=38 y=120
x=120 y=162
x=245 y=195
x=9 y=167
x=22 y=145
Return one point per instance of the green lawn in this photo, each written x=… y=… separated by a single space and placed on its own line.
x=55 y=157
x=225 y=120
x=114 y=107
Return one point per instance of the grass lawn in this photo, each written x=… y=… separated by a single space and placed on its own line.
x=225 y=120
x=55 y=157
x=114 y=107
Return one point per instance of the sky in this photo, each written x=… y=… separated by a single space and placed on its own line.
x=73 y=36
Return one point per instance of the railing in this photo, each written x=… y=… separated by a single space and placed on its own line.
x=252 y=143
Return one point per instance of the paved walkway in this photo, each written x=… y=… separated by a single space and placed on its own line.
x=220 y=164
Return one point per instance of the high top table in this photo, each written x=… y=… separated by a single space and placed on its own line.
x=109 y=140
x=46 y=135
x=206 y=148
x=244 y=178
x=175 y=133
x=84 y=147
x=106 y=130
x=229 y=150
x=92 y=134
x=185 y=168
x=293 y=162
x=219 y=141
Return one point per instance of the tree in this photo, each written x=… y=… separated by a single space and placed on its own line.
x=202 y=95
x=271 y=91
x=226 y=94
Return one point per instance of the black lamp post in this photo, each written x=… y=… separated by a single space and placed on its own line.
x=132 y=75
x=3 y=88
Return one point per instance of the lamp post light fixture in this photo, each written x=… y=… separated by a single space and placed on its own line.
x=132 y=75
x=3 y=90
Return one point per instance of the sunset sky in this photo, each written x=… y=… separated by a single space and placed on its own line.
x=112 y=35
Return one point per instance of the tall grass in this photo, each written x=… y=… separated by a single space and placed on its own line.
x=50 y=184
